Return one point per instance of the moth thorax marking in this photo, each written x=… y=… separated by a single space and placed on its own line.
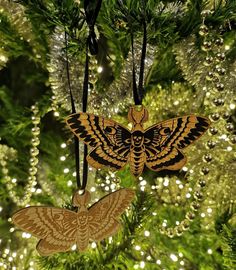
x=138 y=117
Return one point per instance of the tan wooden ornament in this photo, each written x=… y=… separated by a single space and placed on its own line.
x=158 y=147
x=59 y=229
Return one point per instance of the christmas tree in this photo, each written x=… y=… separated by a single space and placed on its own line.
x=186 y=53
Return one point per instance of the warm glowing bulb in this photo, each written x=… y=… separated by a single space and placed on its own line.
x=209 y=251
x=100 y=69
x=73 y=247
x=146 y=233
x=166 y=182
x=142 y=264
x=93 y=245
x=143 y=182
x=69 y=183
x=66 y=170
x=158 y=262
x=173 y=257
x=188 y=195
x=13 y=180
x=62 y=158
x=209 y=210
x=92 y=189
x=137 y=247
x=63 y=145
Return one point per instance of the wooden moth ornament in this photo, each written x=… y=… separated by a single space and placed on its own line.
x=158 y=147
x=59 y=229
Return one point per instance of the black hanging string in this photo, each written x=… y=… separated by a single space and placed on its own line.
x=92 y=46
x=138 y=91
x=84 y=109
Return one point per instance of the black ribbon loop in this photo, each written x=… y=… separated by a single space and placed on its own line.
x=91 y=12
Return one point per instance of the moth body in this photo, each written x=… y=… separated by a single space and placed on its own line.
x=82 y=237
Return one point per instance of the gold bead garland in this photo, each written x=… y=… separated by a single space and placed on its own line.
x=214 y=77
x=10 y=182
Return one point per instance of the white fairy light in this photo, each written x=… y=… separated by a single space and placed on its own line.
x=227 y=47
x=142 y=264
x=136 y=266
x=181 y=262
x=113 y=186
x=73 y=247
x=56 y=114
x=13 y=180
x=164 y=224
x=38 y=190
x=1 y=208
x=31 y=263
x=7 y=251
x=181 y=255
x=173 y=257
x=181 y=186
x=147 y=233
x=166 y=182
x=203 y=215
x=154 y=213
x=66 y=170
x=63 y=145
x=185 y=169
x=188 y=195
x=12 y=229
x=149 y=258
x=140 y=178
x=99 y=69
x=107 y=188
x=69 y=183
x=158 y=262
x=14 y=254
x=62 y=158
x=229 y=148
x=137 y=247
x=209 y=210
x=74 y=174
x=143 y=182
x=209 y=251
x=10 y=259
x=92 y=189
x=177 y=222
x=93 y=245
x=232 y=106
x=178 y=182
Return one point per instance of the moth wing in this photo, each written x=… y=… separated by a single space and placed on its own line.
x=164 y=140
x=110 y=139
x=104 y=214
x=55 y=227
